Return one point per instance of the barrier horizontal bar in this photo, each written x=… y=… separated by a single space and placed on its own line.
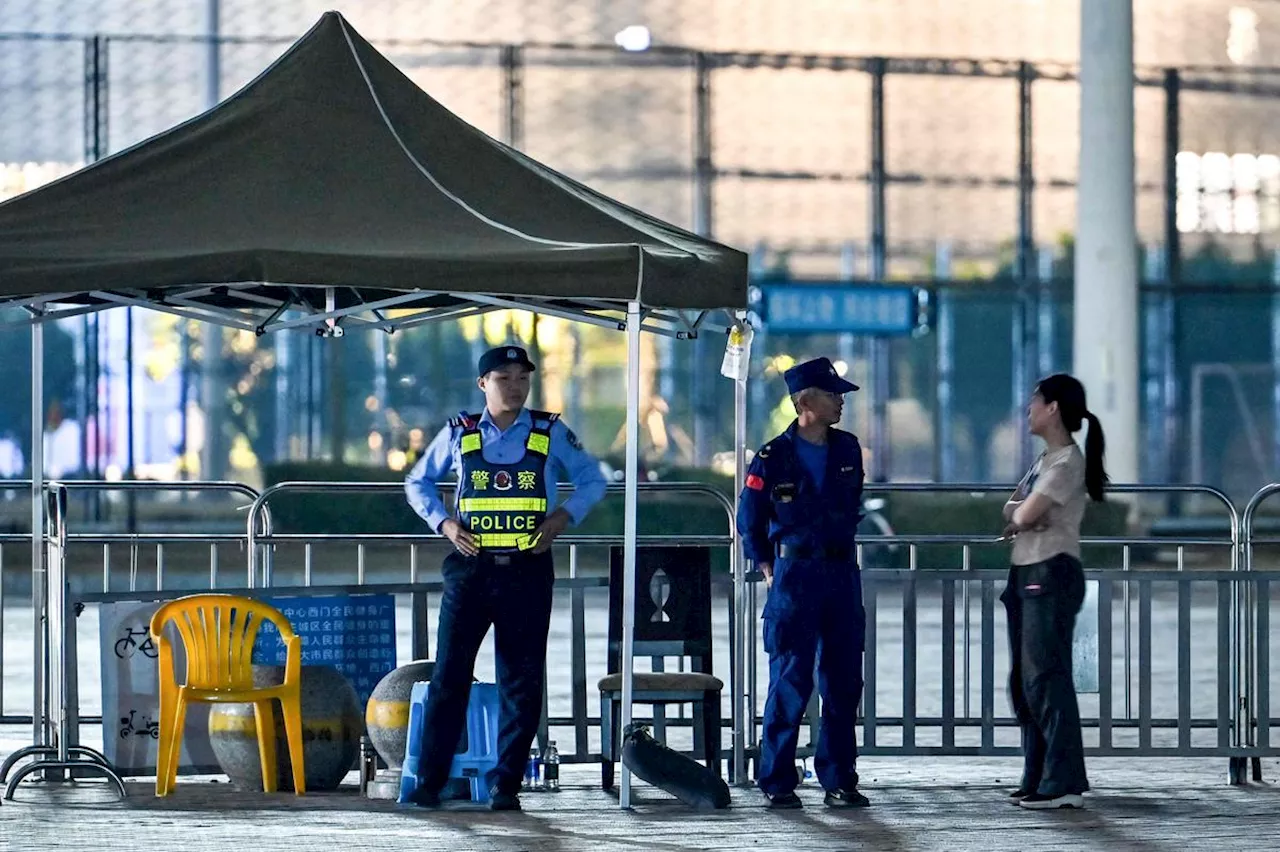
x=23 y=486
x=978 y=488
x=1016 y=751
x=154 y=538
x=150 y=595
x=954 y=575
x=415 y=538
x=1171 y=575
x=255 y=533
x=929 y=722
x=723 y=540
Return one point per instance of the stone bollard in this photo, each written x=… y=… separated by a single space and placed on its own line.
x=331 y=731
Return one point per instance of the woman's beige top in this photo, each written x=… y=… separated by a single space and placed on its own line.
x=1058 y=475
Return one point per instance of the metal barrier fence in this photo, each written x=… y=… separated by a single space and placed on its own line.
x=259 y=544
x=921 y=694
x=1260 y=645
x=261 y=549
x=1116 y=583
x=1209 y=698
x=131 y=544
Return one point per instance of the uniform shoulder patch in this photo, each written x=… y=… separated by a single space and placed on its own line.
x=764 y=451
x=463 y=420
x=572 y=438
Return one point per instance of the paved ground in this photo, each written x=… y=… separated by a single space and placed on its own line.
x=918 y=804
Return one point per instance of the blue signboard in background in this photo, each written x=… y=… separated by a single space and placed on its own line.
x=828 y=308
x=356 y=634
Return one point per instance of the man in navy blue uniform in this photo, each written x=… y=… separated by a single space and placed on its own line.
x=508 y=460
x=797 y=518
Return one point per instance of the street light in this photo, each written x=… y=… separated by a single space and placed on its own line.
x=634 y=38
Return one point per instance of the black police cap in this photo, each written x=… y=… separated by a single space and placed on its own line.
x=501 y=356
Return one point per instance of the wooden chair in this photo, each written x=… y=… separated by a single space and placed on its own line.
x=672 y=619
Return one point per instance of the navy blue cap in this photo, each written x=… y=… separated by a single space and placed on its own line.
x=819 y=374
x=500 y=356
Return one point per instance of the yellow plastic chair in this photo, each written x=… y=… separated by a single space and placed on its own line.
x=218 y=632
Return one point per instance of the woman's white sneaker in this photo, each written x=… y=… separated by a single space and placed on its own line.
x=1041 y=802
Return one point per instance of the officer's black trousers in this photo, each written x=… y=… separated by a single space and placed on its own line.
x=515 y=599
x=1042 y=600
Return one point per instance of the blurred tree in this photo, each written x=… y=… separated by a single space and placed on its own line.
x=59 y=378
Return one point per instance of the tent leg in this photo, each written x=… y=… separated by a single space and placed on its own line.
x=743 y=627
x=38 y=584
x=629 y=534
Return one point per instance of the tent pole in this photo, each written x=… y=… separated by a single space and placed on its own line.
x=743 y=624
x=629 y=530
x=38 y=587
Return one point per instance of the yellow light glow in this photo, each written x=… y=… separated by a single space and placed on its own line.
x=243 y=342
x=242 y=455
x=780 y=364
x=470 y=328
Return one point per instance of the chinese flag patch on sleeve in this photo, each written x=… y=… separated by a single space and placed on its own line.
x=755 y=483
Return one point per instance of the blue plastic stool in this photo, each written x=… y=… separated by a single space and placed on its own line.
x=477 y=747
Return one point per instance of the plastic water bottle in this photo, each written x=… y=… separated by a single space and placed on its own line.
x=531 y=770
x=551 y=768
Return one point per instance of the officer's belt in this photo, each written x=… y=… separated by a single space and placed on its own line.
x=833 y=553
x=506 y=558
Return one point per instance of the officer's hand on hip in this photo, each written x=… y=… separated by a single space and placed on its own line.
x=549 y=529
x=766 y=568
x=460 y=536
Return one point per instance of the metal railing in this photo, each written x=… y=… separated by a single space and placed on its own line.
x=954 y=584
x=1144 y=705
x=132 y=542
x=261 y=575
x=1255 y=693
x=260 y=541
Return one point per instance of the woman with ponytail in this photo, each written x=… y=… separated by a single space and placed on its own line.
x=1046 y=590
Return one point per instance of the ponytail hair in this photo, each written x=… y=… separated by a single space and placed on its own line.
x=1068 y=393
x=1095 y=447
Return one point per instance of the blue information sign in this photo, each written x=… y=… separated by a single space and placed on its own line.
x=356 y=634
x=838 y=308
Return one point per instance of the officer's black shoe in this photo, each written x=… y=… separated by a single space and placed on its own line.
x=1041 y=802
x=1019 y=794
x=784 y=801
x=846 y=799
x=503 y=801
x=425 y=798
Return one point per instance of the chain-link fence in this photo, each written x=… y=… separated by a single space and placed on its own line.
x=955 y=174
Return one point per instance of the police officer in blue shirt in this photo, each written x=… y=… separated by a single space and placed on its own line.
x=508 y=459
x=797 y=518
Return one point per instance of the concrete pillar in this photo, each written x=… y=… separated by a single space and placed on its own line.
x=1106 y=262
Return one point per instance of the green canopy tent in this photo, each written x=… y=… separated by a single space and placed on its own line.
x=327 y=191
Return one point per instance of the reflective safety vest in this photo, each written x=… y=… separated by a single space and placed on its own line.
x=502 y=504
